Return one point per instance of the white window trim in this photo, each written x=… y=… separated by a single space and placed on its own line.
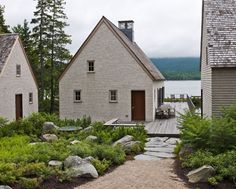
x=74 y=96
x=113 y=101
x=31 y=101
x=89 y=61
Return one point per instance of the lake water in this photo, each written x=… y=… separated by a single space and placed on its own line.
x=192 y=88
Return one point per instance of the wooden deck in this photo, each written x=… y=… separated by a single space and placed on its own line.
x=167 y=127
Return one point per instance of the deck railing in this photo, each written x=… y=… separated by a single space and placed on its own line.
x=182 y=97
x=191 y=106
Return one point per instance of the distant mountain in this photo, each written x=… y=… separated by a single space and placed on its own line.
x=178 y=68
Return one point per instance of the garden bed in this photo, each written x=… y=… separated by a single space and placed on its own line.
x=24 y=157
x=209 y=144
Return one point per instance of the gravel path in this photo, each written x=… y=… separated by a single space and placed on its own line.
x=139 y=175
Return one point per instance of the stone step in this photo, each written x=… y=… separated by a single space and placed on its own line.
x=160 y=154
x=146 y=157
x=167 y=150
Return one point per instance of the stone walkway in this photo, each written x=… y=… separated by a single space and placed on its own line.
x=158 y=148
x=143 y=172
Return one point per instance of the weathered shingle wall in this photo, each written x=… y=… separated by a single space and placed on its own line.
x=115 y=69
x=206 y=76
x=10 y=85
x=223 y=89
x=221 y=32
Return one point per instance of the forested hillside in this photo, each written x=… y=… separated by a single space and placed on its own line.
x=178 y=68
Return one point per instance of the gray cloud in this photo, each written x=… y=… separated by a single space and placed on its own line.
x=163 y=28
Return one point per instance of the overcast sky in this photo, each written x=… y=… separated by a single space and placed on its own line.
x=162 y=28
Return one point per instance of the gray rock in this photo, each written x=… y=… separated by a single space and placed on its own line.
x=79 y=167
x=72 y=161
x=201 y=174
x=89 y=159
x=124 y=140
x=85 y=170
x=49 y=137
x=75 y=142
x=91 y=138
x=185 y=151
x=54 y=163
x=5 y=187
x=129 y=145
x=157 y=139
x=87 y=129
x=172 y=141
x=49 y=126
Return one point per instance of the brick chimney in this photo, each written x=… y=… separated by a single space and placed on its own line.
x=127 y=27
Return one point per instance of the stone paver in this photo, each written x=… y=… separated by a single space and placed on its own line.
x=158 y=148
x=146 y=157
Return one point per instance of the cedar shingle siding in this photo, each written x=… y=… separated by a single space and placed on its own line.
x=12 y=55
x=218 y=53
x=120 y=66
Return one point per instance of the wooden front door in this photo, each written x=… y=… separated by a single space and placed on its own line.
x=138 y=105
x=19 y=106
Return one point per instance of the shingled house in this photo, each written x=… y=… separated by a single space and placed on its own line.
x=110 y=77
x=218 y=55
x=18 y=87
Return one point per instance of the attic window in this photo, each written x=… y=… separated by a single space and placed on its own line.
x=90 y=65
x=18 y=70
x=113 y=96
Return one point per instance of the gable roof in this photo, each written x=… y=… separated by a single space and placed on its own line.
x=220 y=19
x=133 y=48
x=7 y=42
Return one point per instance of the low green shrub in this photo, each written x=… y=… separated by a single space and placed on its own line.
x=101 y=166
x=3 y=122
x=27 y=164
x=29 y=183
x=194 y=130
x=217 y=135
x=33 y=125
x=229 y=112
x=135 y=149
x=113 y=154
x=223 y=163
x=213 y=142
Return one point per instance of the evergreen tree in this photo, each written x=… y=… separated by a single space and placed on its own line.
x=58 y=41
x=3 y=27
x=40 y=39
x=51 y=41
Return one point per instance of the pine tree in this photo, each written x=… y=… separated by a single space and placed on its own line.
x=58 y=41
x=51 y=41
x=3 y=27
x=40 y=39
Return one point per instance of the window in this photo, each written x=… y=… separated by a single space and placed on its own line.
x=154 y=95
x=113 y=96
x=77 y=95
x=18 y=70
x=31 y=98
x=207 y=51
x=90 y=65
